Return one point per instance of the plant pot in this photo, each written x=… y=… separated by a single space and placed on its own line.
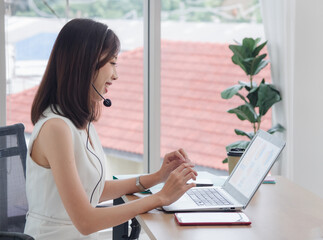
x=233 y=157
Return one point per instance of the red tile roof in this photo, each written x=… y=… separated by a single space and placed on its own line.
x=193 y=114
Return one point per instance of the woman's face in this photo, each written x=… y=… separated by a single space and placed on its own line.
x=107 y=74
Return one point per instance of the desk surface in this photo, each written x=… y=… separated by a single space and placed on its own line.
x=278 y=211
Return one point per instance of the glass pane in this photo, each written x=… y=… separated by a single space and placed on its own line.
x=196 y=68
x=31 y=29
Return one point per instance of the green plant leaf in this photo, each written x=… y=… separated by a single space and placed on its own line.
x=247 y=63
x=225 y=160
x=243 y=133
x=258 y=49
x=242 y=97
x=237 y=42
x=245 y=112
x=253 y=96
x=230 y=92
x=238 y=51
x=257 y=64
x=249 y=44
x=249 y=59
x=238 y=61
x=276 y=128
x=257 y=40
x=245 y=55
x=237 y=144
x=247 y=85
x=267 y=96
x=261 y=65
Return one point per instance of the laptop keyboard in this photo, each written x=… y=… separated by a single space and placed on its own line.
x=207 y=197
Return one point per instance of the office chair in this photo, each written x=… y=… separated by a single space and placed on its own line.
x=120 y=232
x=13 y=200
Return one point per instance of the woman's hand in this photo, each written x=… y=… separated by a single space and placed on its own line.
x=171 y=161
x=176 y=184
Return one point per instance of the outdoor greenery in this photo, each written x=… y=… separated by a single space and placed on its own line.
x=174 y=10
x=258 y=99
x=109 y=9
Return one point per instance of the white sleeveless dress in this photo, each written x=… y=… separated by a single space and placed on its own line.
x=47 y=217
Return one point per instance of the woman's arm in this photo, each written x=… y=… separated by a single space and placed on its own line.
x=173 y=189
x=116 y=188
x=56 y=146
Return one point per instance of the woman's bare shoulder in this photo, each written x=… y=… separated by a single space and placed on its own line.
x=53 y=135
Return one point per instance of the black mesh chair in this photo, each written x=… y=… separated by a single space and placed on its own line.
x=13 y=201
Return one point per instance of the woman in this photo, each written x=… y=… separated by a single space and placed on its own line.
x=66 y=162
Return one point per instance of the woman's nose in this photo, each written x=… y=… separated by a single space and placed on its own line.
x=115 y=75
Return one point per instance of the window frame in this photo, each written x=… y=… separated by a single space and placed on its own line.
x=3 y=87
x=152 y=61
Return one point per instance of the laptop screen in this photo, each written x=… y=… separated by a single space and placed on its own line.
x=253 y=166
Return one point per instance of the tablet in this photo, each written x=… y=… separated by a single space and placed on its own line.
x=211 y=218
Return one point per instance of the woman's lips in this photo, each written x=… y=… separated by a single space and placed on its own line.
x=107 y=84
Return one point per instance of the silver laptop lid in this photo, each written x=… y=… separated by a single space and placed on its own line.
x=253 y=166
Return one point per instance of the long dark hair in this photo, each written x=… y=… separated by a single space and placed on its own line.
x=73 y=64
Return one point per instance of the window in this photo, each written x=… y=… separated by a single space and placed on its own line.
x=195 y=67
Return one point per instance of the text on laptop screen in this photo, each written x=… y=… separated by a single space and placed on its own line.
x=254 y=166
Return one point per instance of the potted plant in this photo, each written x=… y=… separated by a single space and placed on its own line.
x=258 y=98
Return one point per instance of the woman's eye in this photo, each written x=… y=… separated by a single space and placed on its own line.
x=114 y=63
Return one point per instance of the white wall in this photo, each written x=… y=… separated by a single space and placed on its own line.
x=308 y=96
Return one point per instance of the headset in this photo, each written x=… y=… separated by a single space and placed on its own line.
x=106 y=102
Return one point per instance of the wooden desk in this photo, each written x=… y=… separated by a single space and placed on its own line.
x=278 y=211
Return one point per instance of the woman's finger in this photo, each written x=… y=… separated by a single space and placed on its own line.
x=182 y=151
x=184 y=172
x=179 y=155
x=189 y=175
x=188 y=186
x=190 y=161
x=181 y=167
x=187 y=170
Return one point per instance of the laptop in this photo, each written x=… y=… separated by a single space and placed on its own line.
x=239 y=188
